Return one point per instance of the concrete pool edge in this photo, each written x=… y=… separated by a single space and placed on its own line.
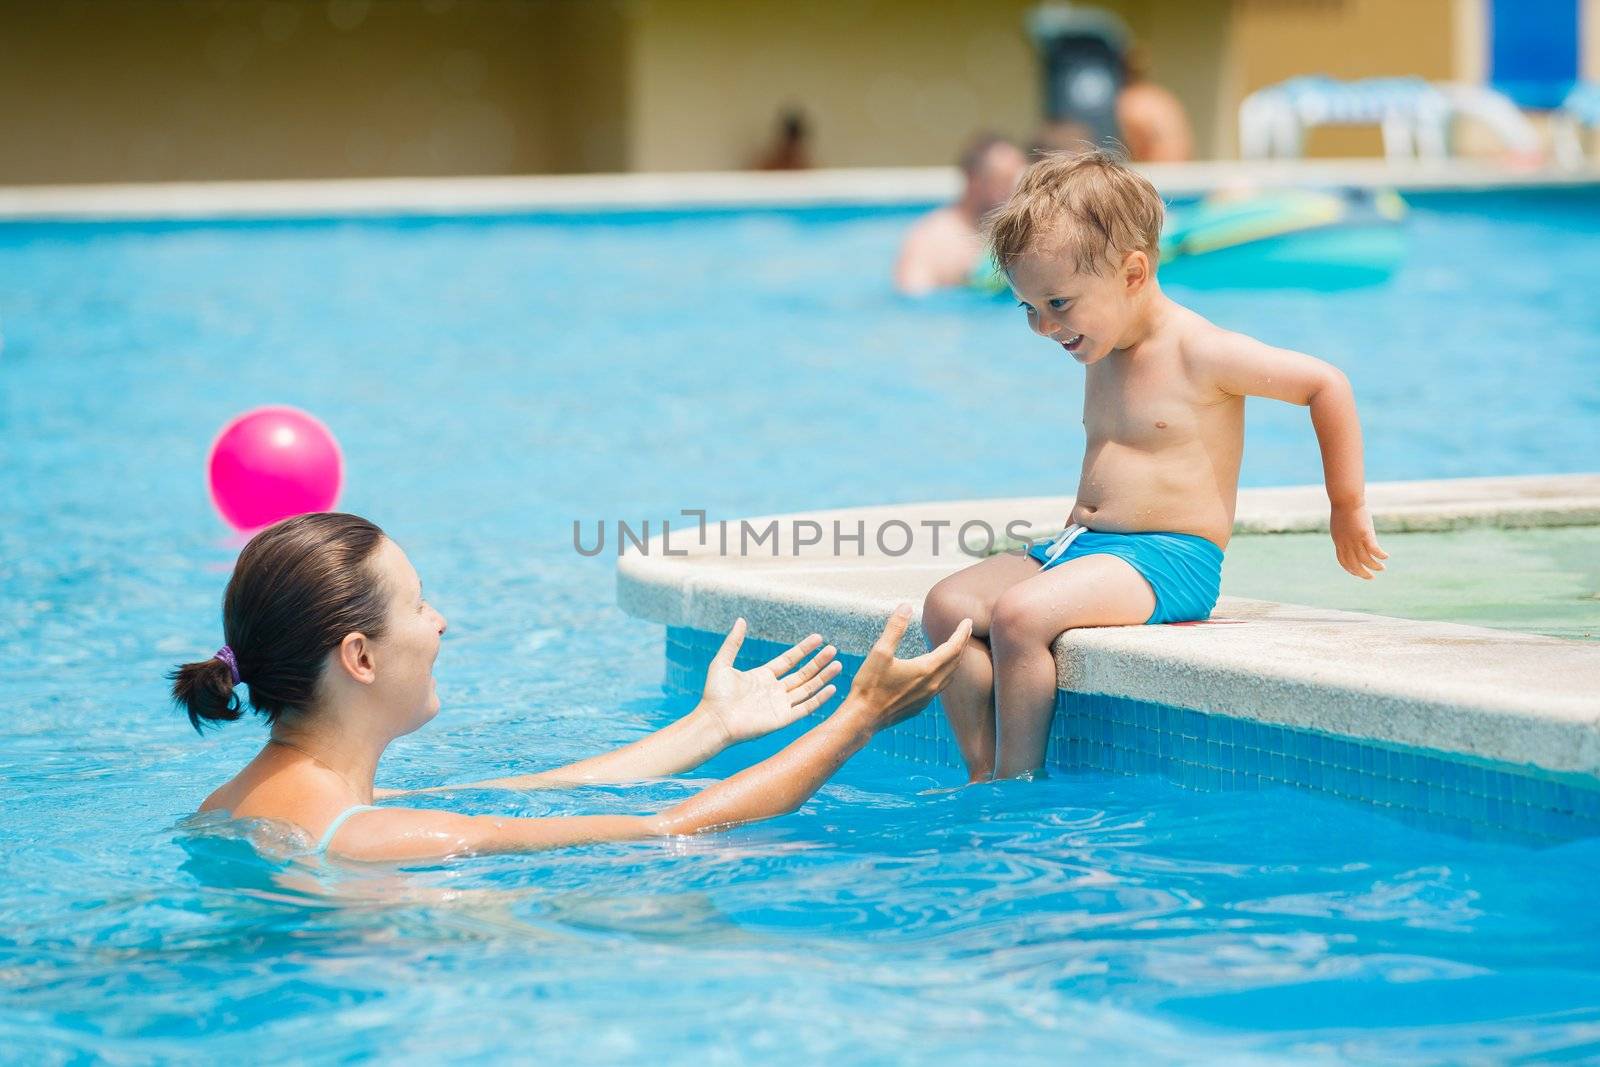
x=1494 y=695
x=494 y=194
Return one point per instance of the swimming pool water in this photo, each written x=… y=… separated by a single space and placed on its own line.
x=492 y=381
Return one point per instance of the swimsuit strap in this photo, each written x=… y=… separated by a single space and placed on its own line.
x=1064 y=541
x=339 y=821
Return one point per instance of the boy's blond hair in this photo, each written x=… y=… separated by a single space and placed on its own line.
x=1088 y=207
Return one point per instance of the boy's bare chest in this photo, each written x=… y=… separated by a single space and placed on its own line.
x=1149 y=408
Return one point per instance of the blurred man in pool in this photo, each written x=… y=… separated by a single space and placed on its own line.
x=1164 y=415
x=945 y=247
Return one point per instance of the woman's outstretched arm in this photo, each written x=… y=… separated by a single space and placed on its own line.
x=736 y=706
x=886 y=691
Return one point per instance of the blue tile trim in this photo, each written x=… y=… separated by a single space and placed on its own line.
x=1198 y=750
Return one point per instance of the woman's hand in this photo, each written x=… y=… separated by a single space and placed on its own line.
x=890 y=690
x=750 y=704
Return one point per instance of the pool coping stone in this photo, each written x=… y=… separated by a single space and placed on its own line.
x=560 y=193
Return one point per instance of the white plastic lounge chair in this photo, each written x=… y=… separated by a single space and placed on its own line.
x=1580 y=111
x=1414 y=115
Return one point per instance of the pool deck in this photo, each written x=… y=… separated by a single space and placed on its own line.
x=1493 y=694
x=669 y=192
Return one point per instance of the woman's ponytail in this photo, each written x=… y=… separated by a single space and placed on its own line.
x=206 y=691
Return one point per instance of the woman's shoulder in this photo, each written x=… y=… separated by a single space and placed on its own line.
x=287 y=795
x=226 y=797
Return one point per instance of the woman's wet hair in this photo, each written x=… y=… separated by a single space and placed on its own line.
x=298 y=589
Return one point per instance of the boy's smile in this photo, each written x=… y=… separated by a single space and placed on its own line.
x=1078 y=345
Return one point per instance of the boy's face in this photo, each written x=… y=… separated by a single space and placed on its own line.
x=1086 y=314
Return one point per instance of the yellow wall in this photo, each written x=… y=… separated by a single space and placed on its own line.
x=1470 y=41
x=99 y=90
x=1190 y=49
x=884 y=82
x=587 y=49
x=196 y=89
x=132 y=90
x=1589 y=40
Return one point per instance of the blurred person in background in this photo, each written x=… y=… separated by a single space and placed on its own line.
x=944 y=247
x=1155 y=128
x=791 y=148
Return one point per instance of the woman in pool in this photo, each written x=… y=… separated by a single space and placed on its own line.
x=325 y=621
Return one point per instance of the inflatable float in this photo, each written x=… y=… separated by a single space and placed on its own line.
x=1294 y=239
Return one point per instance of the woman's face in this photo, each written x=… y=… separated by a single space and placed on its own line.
x=410 y=642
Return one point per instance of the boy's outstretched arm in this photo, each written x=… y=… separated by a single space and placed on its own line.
x=1243 y=366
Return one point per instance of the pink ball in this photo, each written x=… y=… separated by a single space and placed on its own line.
x=271 y=463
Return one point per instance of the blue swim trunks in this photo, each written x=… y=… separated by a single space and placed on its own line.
x=1183 y=570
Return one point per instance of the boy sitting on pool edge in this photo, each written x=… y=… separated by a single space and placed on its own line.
x=1164 y=416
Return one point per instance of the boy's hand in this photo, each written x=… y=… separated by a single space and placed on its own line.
x=1355 y=541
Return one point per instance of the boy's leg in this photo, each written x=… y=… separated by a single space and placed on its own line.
x=1087 y=591
x=968 y=700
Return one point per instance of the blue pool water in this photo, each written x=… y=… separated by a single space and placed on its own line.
x=494 y=380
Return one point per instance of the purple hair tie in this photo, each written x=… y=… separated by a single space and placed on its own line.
x=225 y=654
